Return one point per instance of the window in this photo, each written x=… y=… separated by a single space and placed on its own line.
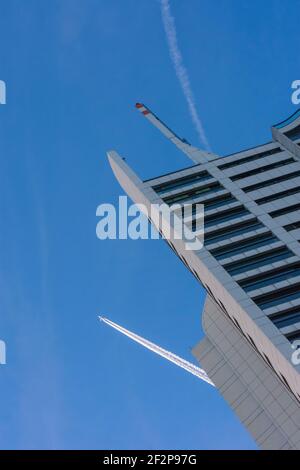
x=224 y=216
x=264 y=184
x=218 y=202
x=262 y=169
x=241 y=161
x=214 y=187
x=243 y=245
x=273 y=197
x=181 y=182
x=232 y=231
x=293 y=336
x=294 y=134
x=285 y=210
x=277 y=297
x=266 y=279
x=257 y=261
x=286 y=318
x=292 y=226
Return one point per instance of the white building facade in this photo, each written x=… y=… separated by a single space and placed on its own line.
x=250 y=268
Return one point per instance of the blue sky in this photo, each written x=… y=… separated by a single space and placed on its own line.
x=74 y=69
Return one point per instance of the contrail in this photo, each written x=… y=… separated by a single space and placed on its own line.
x=201 y=374
x=181 y=72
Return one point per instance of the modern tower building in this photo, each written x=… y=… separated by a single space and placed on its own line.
x=250 y=268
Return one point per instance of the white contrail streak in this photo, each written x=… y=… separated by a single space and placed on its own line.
x=201 y=374
x=181 y=72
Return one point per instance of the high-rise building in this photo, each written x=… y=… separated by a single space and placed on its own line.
x=250 y=268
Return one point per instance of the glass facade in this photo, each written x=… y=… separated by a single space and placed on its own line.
x=257 y=261
x=181 y=182
x=243 y=246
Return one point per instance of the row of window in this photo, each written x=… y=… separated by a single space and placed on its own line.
x=213 y=203
x=280 y=195
x=225 y=216
x=243 y=246
x=285 y=210
x=257 y=261
x=294 y=134
x=278 y=297
x=292 y=226
x=266 y=279
x=216 y=202
x=250 y=158
x=262 y=169
x=266 y=183
x=232 y=231
x=291 y=337
x=286 y=318
x=185 y=196
x=181 y=182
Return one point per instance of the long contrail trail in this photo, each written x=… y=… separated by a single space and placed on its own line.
x=181 y=72
x=200 y=373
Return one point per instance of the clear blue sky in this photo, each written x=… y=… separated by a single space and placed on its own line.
x=74 y=69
